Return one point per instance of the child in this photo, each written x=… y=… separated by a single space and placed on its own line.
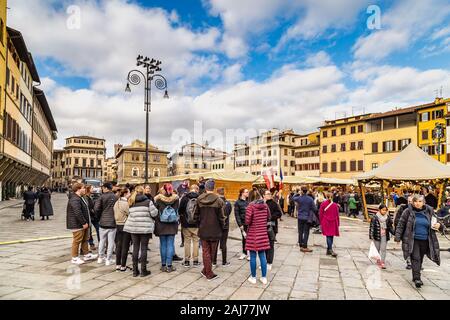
x=380 y=230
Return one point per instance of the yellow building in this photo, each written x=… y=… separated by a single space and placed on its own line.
x=387 y=134
x=429 y=115
x=110 y=172
x=307 y=155
x=2 y=64
x=342 y=147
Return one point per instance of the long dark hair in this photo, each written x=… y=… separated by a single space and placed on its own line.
x=241 y=192
x=254 y=195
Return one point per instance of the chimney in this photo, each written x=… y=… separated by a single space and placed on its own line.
x=117 y=148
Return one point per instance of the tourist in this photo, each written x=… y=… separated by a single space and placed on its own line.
x=329 y=221
x=78 y=221
x=272 y=226
x=94 y=221
x=30 y=198
x=123 y=238
x=148 y=193
x=223 y=240
x=167 y=203
x=211 y=218
x=201 y=184
x=257 y=217
x=306 y=209
x=139 y=224
x=397 y=217
x=190 y=227
x=104 y=211
x=45 y=204
x=430 y=198
x=380 y=232
x=353 y=206
x=291 y=204
x=418 y=236
x=240 y=207
x=183 y=188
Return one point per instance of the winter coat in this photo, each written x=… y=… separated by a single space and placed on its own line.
x=306 y=207
x=398 y=214
x=162 y=228
x=121 y=211
x=227 y=210
x=329 y=219
x=77 y=213
x=45 y=205
x=29 y=197
x=405 y=233
x=210 y=216
x=141 y=217
x=182 y=211
x=240 y=208
x=275 y=214
x=257 y=216
x=90 y=203
x=104 y=210
x=352 y=203
x=375 y=228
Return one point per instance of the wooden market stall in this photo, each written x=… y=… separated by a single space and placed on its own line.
x=411 y=167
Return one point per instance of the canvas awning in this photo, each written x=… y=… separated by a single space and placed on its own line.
x=232 y=176
x=310 y=180
x=411 y=164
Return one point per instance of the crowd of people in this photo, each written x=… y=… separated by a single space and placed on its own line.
x=125 y=219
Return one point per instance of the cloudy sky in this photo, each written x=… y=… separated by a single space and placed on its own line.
x=232 y=65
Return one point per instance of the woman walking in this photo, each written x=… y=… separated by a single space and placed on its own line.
x=418 y=236
x=257 y=242
x=380 y=231
x=45 y=204
x=166 y=201
x=329 y=221
x=123 y=238
x=140 y=224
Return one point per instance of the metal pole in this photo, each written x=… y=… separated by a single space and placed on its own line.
x=147 y=110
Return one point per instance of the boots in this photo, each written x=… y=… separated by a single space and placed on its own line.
x=135 y=270
x=331 y=253
x=144 y=271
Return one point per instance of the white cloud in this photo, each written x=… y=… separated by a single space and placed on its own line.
x=402 y=25
x=320 y=58
x=233 y=73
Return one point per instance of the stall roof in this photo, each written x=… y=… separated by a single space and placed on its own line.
x=232 y=176
x=310 y=180
x=411 y=164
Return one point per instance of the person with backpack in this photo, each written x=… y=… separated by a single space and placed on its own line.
x=123 y=238
x=223 y=241
x=140 y=224
x=166 y=227
x=188 y=205
x=211 y=218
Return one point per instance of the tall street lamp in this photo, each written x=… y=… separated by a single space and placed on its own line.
x=150 y=66
x=439 y=133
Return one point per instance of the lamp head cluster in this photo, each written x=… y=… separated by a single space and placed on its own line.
x=152 y=64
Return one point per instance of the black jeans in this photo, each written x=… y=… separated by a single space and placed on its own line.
x=123 y=240
x=96 y=225
x=223 y=247
x=271 y=252
x=243 y=241
x=140 y=241
x=420 y=249
x=303 y=233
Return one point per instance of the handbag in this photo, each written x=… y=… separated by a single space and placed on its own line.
x=270 y=231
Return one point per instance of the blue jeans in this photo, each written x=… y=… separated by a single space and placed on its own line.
x=262 y=259
x=330 y=243
x=167 y=249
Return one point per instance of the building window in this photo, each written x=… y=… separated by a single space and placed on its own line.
x=360 y=128
x=360 y=145
x=424 y=134
x=156 y=172
x=325 y=134
x=437 y=114
x=324 y=149
x=333 y=167
x=342 y=131
x=374 y=166
x=360 y=165
x=424 y=117
x=389 y=146
x=285 y=152
x=402 y=144
x=352 y=130
x=333 y=133
x=343 y=147
x=135 y=172
x=352 y=146
x=324 y=167
x=374 y=147
x=333 y=148
x=352 y=165
x=343 y=166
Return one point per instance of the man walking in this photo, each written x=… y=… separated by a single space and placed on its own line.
x=189 y=226
x=223 y=240
x=306 y=210
x=211 y=217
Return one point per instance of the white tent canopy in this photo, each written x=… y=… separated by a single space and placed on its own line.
x=411 y=164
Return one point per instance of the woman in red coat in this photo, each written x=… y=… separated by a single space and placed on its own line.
x=257 y=242
x=329 y=221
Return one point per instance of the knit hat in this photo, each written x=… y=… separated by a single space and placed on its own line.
x=210 y=185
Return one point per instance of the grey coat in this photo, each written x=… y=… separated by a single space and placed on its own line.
x=45 y=205
x=141 y=217
x=405 y=233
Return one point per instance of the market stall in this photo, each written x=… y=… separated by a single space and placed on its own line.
x=410 y=170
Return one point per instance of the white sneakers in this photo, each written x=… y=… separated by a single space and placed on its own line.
x=252 y=280
x=109 y=262
x=269 y=267
x=100 y=260
x=90 y=257
x=77 y=260
x=263 y=280
x=243 y=256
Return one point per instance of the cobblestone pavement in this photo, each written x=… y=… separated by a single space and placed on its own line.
x=41 y=269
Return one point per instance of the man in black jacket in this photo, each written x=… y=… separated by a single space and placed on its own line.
x=275 y=214
x=240 y=208
x=104 y=211
x=189 y=230
x=397 y=217
x=78 y=221
x=223 y=241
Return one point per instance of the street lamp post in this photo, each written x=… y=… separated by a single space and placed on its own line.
x=439 y=134
x=135 y=77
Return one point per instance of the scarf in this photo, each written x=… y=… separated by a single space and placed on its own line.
x=382 y=220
